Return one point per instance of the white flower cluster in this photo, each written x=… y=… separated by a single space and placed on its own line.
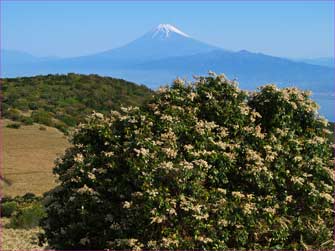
x=204 y=126
x=141 y=152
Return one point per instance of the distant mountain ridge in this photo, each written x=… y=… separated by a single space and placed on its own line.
x=243 y=65
x=324 y=61
x=15 y=57
x=165 y=52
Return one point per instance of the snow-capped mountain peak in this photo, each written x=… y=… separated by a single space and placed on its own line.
x=165 y=30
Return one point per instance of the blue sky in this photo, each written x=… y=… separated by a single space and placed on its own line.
x=284 y=28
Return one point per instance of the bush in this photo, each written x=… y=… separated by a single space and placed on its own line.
x=12 y=114
x=14 y=125
x=61 y=126
x=201 y=166
x=33 y=106
x=8 y=208
x=27 y=120
x=28 y=216
x=42 y=117
x=69 y=121
x=6 y=198
x=28 y=197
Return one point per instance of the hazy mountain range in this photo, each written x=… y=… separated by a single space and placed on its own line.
x=165 y=52
x=325 y=61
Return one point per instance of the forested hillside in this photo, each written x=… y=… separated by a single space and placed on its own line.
x=62 y=101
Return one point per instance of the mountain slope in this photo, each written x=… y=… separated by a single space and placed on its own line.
x=63 y=101
x=250 y=69
x=326 y=61
x=162 y=42
x=16 y=57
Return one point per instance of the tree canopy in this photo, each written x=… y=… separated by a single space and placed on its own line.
x=63 y=101
x=200 y=166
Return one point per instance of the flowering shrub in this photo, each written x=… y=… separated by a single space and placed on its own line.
x=200 y=166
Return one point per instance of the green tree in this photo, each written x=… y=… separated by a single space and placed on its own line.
x=200 y=166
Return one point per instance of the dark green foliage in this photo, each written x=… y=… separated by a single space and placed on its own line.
x=8 y=208
x=28 y=197
x=11 y=113
x=6 y=199
x=42 y=117
x=203 y=166
x=62 y=101
x=25 y=211
x=331 y=127
x=27 y=120
x=28 y=216
x=14 y=125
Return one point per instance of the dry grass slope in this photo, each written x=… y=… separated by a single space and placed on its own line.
x=19 y=239
x=28 y=158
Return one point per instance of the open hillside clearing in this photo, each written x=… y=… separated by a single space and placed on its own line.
x=28 y=158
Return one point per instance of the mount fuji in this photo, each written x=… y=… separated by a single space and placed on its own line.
x=161 y=42
x=165 y=52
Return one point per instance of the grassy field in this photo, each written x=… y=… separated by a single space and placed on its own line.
x=28 y=158
x=19 y=239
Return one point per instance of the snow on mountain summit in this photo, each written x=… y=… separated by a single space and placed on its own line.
x=165 y=30
x=163 y=41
